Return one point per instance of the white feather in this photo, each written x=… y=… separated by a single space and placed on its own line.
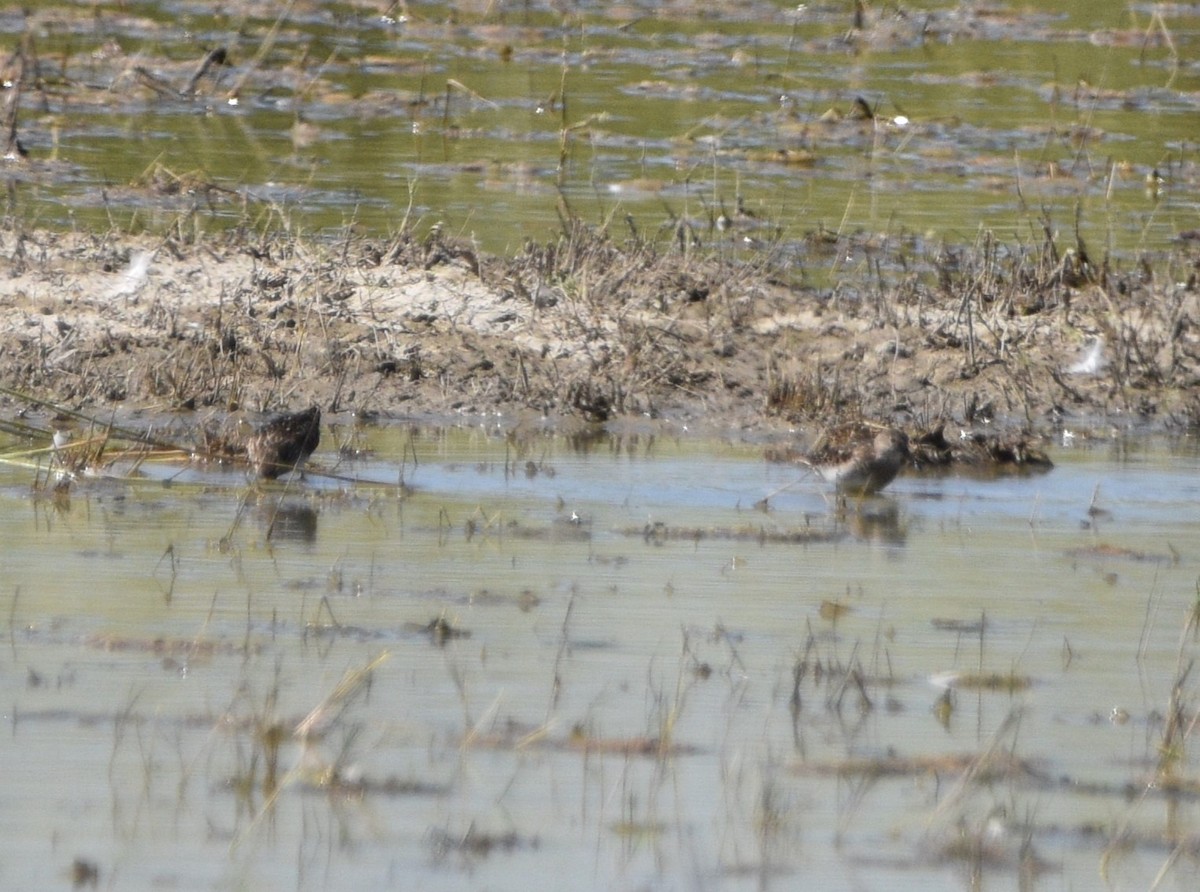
x=1091 y=360
x=133 y=277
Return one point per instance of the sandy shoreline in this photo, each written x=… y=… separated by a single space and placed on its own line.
x=588 y=331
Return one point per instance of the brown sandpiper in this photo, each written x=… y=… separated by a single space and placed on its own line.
x=859 y=460
x=284 y=442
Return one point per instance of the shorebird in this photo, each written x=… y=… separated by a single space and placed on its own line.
x=284 y=443
x=858 y=463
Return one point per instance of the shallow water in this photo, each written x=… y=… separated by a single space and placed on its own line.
x=487 y=118
x=610 y=702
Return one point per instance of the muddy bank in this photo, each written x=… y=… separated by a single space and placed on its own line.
x=590 y=329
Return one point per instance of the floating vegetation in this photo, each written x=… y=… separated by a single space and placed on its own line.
x=832 y=611
x=579 y=740
x=1105 y=551
x=1016 y=450
x=170 y=647
x=85 y=873
x=562 y=530
x=962 y=627
x=1003 y=768
x=659 y=533
x=476 y=844
x=440 y=631
x=1009 y=683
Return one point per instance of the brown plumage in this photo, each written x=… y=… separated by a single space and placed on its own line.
x=859 y=460
x=284 y=443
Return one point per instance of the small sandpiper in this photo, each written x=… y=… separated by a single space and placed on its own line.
x=858 y=459
x=284 y=443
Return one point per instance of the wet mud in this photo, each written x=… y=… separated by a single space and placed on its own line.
x=591 y=330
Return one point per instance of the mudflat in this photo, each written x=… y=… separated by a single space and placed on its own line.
x=590 y=329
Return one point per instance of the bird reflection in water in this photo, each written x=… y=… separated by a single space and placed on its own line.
x=289 y=522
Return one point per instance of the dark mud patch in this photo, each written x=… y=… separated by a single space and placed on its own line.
x=589 y=330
